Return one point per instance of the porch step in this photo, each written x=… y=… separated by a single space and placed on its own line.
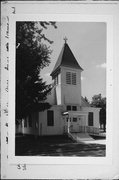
x=82 y=137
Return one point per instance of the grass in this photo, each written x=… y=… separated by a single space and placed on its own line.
x=56 y=146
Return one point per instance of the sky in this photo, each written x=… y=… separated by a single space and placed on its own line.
x=87 y=40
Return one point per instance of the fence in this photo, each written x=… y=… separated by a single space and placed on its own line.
x=88 y=129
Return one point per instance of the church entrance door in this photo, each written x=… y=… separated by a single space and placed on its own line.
x=77 y=122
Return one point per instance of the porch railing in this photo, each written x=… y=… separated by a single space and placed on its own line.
x=87 y=129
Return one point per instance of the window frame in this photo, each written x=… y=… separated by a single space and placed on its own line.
x=71 y=78
x=74 y=109
x=25 y=122
x=68 y=77
x=74 y=119
x=90 y=119
x=70 y=107
x=30 y=120
x=50 y=118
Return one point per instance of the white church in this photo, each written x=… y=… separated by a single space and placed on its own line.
x=69 y=113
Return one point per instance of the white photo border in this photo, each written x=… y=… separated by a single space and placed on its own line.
x=107 y=160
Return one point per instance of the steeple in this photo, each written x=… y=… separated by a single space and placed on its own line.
x=65 y=39
x=66 y=58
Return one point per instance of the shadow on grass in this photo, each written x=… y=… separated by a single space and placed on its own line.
x=56 y=146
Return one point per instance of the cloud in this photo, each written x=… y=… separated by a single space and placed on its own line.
x=103 y=66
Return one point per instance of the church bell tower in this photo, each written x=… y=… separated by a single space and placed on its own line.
x=67 y=78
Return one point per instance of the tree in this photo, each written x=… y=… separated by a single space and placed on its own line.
x=86 y=99
x=32 y=55
x=98 y=101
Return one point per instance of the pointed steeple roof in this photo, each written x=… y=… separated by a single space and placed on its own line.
x=66 y=58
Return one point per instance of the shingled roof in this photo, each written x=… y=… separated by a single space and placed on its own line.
x=84 y=103
x=67 y=59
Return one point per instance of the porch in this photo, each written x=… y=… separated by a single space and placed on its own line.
x=81 y=123
x=85 y=129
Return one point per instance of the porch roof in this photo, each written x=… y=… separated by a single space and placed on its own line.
x=75 y=113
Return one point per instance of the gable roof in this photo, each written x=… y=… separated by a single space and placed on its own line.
x=84 y=103
x=67 y=59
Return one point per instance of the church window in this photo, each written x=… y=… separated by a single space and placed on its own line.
x=74 y=108
x=36 y=125
x=30 y=120
x=25 y=122
x=68 y=77
x=50 y=118
x=68 y=108
x=90 y=119
x=74 y=119
x=74 y=78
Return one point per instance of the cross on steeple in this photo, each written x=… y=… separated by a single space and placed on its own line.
x=65 y=39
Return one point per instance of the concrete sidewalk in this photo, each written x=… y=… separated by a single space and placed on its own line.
x=81 y=137
x=102 y=141
x=88 y=139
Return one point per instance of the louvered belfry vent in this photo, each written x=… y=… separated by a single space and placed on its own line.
x=68 y=78
x=74 y=78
